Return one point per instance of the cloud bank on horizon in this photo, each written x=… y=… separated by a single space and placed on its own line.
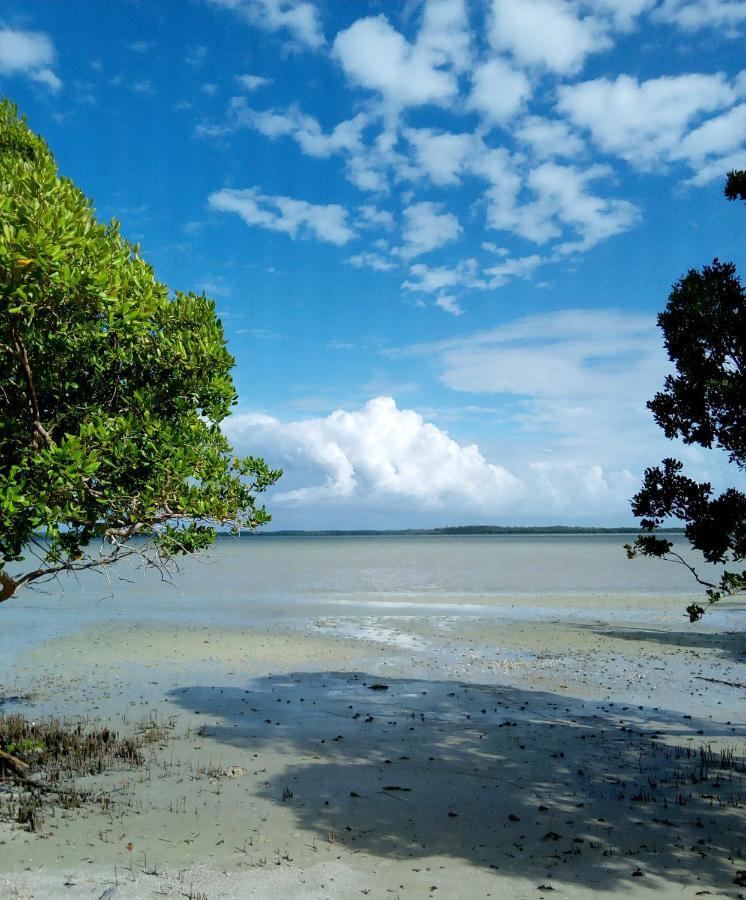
x=426 y=220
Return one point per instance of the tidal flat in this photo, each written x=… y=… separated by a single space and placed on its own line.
x=402 y=717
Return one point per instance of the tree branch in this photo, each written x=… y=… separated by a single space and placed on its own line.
x=50 y=571
x=21 y=355
x=671 y=556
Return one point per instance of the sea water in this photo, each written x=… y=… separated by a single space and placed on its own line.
x=266 y=578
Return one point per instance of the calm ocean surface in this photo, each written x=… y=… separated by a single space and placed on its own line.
x=439 y=565
x=396 y=568
x=272 y=579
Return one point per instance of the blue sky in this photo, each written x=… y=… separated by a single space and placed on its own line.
x=438 y=232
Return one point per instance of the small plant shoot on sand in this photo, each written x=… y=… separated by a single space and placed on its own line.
x=112 y=390
x=704 y=327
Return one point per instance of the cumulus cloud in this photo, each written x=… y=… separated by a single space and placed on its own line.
x=546 y=33
x=375 y=455
x=567 y=384
x=425 y=72
x=562 y=201
x=441 y=155
x=468 y=274
x=296 y=218
x=574 y=384
x=693 y=15
x=549 y=138
x=547 y=202
x=518 y=267
x=647 y=122
x=427 y=227
x=433 y=279
x=623 y=13
x=498 y=91
x=549 y=182
x=399 y=468
x=370 y=260
x=298 y=18
x=716 y=146
x=372 y=217
x=28 y=53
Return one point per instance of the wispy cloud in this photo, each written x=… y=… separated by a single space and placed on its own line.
x=296 y=218
x=294 y=18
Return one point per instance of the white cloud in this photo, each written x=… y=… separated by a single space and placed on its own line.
x=367 y=164
x=445 y=34
x=373 y=456
x=252 y=82
x=372 y=217
x=716 y=147
x=442 y=155
x=449 y=304
x=398 y=467
x=375 y=56
x=572 y=385
x=713 y=169
x=47 y=78
x=722 y=134
x=694 y=15
x=577 y=379
x=498 y=91
x=563 y=201
x=623 y=13
x=372 y=261
x=302 y=128
x=549 y=137
x=297 y=17
x=433 y=279
x=569 y=383
x=327 y=222
x=643 y=122
x=28 y=53
x=427 y=228
x=519 y=267
x=559 y=353
x=546 y=33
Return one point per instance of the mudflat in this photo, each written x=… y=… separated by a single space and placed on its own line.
x=388 y=743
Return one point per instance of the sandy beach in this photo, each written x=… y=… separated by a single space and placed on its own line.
x=392 y=746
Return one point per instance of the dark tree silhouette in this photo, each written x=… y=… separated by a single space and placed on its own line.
x=704 y=328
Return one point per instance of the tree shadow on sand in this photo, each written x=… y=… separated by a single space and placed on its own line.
x=521 y=782
x=728 y=645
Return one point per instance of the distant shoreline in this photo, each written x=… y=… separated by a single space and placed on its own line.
x=457 y=530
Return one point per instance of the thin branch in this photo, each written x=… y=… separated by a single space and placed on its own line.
x=52 y=571
x=21 y=355
x=671 y=556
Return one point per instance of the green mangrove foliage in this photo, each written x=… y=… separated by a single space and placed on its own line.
x=112 y=390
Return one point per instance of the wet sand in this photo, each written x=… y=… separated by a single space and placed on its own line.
x=463 y=747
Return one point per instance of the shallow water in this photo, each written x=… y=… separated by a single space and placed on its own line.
x=262 y=654
x=271 y=579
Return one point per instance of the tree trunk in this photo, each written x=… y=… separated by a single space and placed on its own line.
x=7 y=586
x=16 y=766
